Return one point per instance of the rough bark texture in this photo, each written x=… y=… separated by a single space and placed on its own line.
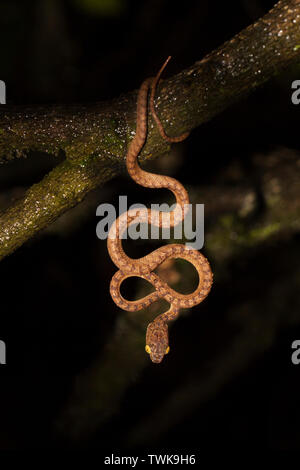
x=185 y=101
x=94 y=138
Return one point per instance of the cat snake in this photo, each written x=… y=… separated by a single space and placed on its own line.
x=157 y=340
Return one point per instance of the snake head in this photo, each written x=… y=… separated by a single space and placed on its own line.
x=157 y=340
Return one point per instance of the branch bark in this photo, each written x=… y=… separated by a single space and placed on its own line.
x=95 y=138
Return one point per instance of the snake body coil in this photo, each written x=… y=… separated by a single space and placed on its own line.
x=157 y=343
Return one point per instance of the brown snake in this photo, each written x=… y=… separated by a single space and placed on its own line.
x=157 y=342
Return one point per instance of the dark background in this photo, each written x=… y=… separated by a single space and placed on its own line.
x=56 y=312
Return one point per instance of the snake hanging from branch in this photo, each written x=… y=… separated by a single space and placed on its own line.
x=157 y=340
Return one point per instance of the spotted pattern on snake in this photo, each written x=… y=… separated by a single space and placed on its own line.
x=157 y=340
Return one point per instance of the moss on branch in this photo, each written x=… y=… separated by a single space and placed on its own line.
x=95 y=138
x=46 y=200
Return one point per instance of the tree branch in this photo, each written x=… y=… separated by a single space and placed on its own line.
x=64 y=187
x=95 y=138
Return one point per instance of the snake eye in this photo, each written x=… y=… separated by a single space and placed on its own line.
x=167 y=350
x=148 y=349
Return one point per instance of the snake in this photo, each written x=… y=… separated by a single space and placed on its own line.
x=157 y=337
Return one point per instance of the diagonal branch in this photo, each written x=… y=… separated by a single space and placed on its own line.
x=95 y=138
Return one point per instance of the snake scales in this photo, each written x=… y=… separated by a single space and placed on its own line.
x=157 y=341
